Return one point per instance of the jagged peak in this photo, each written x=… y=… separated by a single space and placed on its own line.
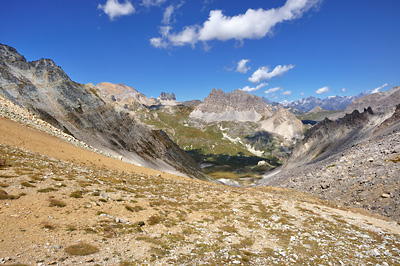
x=167 y=96
x=44 y=63
x=10 y=54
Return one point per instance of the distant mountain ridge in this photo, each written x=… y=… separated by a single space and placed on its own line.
x=380 y=102
x=126 y=95
x=330 y=103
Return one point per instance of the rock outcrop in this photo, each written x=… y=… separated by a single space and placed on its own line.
x=124 y=94
x=167 y=99
x=235 y=106
x=284 y=123
x=44 y=89
x=380 y=102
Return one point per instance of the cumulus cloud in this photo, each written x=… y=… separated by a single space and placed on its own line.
x=379 y=88
x=113 y=8
x=249 y=89
x=254 y=24
x=263 y=73
x=343 y=89
x=273 y=90
x=149 y=3
x=287 y=93
x=322 y=90
x=241 y=66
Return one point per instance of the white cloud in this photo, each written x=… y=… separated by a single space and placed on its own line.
x=241 y=66
x=187 y=36
x=160 y=42
x=149 y=3
x=263 y=73
x=343 y=89
x=302 y=93
x=254 y=24
x=115 y=9
x=322 y=90
x=248 y=89
x=167 y=14
x=379 y=88
x=273 y=90
x=287 y=93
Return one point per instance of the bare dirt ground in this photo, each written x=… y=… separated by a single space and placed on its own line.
x=62 y=205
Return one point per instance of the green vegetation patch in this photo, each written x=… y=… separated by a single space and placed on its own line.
x=81 y=249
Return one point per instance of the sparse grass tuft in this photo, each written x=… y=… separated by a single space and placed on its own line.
x=154 y=219
x=77 y=194
x=81 y=249
x=71 y=228
x=229 y=229
x=46 y=190
x=134 y=209
x=396 y=159
x=126 y=263
x=3 y=163
x=27 y=184
x=57 y=203
x=48 y=226
x=5 y=195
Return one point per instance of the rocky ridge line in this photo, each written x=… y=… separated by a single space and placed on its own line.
x=22 y=116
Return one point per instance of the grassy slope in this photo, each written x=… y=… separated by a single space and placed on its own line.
x=130 y=218
x=225 y=158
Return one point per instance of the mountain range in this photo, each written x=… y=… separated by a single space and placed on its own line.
x=45 y=89
x=353 y=159
x=282 y=192
x=235 y=138
x=330 y=103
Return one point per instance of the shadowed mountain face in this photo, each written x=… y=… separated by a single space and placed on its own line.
x=80 y=110
x=329 y=137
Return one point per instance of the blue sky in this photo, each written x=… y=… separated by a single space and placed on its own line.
x=283 y=50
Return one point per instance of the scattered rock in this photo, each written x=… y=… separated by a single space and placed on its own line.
x=325 y=186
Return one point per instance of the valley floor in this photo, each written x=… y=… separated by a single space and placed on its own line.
x=62 y=205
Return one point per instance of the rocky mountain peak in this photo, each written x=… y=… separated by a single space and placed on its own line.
x=284 y=123
x=167 y=99
x=124 y=94
x=10 y=54
x=316 y=109
x=237 y=105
